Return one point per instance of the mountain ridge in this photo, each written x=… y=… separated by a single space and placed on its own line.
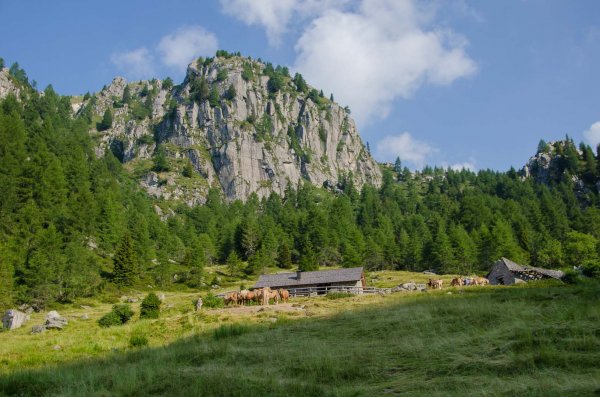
x=245 y=126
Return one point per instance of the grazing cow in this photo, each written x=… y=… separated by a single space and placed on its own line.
x=231 y=297
x=457 y=282
x=468 y=281
x=274 y=294
x=257 y=295
x=481 y=281
x=243 y=296
x=435 y=284
x=264 y=295
x=284 y=294
x=250 y=296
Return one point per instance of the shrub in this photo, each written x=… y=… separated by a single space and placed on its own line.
x=221 y=75
x=150 y=307
x=124 y=312
x=591 y=269
x=138 y=340
x=571 y=276
x=109 y=319
x=212 y=301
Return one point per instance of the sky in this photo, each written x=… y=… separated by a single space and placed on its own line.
x=456 y=83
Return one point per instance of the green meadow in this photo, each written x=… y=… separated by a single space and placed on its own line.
x=542 y=339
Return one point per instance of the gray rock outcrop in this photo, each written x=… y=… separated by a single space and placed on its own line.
x=252 y=140
x=6 y=84
x=55 y=320
x=13 y=318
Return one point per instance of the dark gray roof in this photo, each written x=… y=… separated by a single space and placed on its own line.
x=515 y=267
x=351 y=275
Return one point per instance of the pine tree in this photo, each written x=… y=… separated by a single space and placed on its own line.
x=214 y=98
x=124 y=262
x=188 y=169
x=160 y=160
x=126 y=95
x=230 y=93
x=106 y=122
x=284 y=259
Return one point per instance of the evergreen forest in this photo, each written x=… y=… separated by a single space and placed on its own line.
x=73 y=224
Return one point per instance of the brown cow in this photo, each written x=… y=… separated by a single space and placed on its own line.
x=231 y=297
x=284 y=294
x=257 y=295
x=250 y=296
x=265 y=293
x=435 y=284
x=242 y=296
x=481 y=281
x=457 y=282
x=274 y=294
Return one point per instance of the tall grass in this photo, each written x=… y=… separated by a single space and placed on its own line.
x=482 y=342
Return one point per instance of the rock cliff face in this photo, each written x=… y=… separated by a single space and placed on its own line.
x=243 y=126
x=6 y=84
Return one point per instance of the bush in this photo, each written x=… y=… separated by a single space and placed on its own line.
x=109 y=319
x=212 y=301
x=591 y=269
x=124 y=312
x=571 y=276
x=119 y=315
x=137 y=340
x=150 y=307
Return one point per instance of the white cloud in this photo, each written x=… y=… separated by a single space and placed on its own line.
x=275 y=15
x=467 y=165
x=178 y=49
x=406 y=147
x=137 y=63
x=592 y=135
x=381 y=51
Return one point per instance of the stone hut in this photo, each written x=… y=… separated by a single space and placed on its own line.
x=351 y=278
x=507 y=272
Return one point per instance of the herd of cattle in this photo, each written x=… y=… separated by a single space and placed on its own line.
x=259 y=296
x=262 y=296
x=458 y=282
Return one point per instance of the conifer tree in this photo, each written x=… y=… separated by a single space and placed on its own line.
x=126 y=95
x=124 y=262
x=107 y=120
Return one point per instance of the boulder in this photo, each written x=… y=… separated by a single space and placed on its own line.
x=55 y=320
x=38 y=329
x=13 y=318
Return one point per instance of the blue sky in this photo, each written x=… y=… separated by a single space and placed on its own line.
x=451 y=83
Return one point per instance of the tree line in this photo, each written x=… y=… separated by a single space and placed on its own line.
x=73 y=224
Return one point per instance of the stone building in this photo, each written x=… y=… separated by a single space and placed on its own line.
x=506 y=272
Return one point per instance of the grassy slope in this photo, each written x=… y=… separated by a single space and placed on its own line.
x=541 y=341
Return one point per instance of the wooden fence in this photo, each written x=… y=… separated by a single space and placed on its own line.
x=316 y=291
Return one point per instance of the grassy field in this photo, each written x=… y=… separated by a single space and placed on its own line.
x=539 y=340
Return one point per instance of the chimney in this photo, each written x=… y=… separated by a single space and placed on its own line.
x=298 y=274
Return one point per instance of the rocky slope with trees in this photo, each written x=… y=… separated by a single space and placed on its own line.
x=235 y=124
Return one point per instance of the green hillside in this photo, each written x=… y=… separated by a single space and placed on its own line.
x=540 y=340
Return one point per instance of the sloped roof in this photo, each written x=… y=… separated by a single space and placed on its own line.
x=515 y=267
x=309 y=278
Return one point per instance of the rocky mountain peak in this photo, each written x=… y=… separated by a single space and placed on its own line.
x=244 y=126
